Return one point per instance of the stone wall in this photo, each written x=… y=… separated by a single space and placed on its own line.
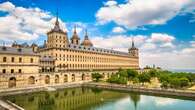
x=12 y=81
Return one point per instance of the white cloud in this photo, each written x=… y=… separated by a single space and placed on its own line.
x=159 y=37
x=165 y=54
x=110 y=3
x=118 y=30
x=117 y=42
x=192 y=43
x=136 y=13
x=168 y=45
x=149 y=46
x=24 y=23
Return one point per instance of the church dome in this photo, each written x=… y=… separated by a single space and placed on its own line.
x=86 y=41
x=75 y=35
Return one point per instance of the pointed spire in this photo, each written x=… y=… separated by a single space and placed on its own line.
x=86 y=41
x=75 y=30
x=133 y=45
x=86 y=35
x=57 y=27
x=57 y=22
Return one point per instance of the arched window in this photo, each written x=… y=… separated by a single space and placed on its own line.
x=12 y=82
x=57 y=79
x=31 y=80
x=47 y=79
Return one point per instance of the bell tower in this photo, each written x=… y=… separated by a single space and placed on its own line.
x=57 y=38
x=75 y=38
x=133 y=51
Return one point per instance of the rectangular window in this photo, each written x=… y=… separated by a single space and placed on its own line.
x=31 y=60
x=19 y=71
x=4 y=59
x=12 y=59
x=20 y=60
x=4 y=71
x=12 y=70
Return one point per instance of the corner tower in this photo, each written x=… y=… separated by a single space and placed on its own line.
x=57 y=38
x=133 y=51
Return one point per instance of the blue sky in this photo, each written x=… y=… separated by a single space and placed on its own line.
x=160 y=28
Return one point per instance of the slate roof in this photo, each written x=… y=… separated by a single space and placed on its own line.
x=17 y=51
x=93 y=49
x=96 y=49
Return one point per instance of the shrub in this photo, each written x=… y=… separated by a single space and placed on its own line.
x=96 y=76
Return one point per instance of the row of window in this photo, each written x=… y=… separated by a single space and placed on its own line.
x=93 y=51
x=90 y=66
x=88 y=59
x=12 y=71
x=47 y=62
x=5 y=59
x=57 y=37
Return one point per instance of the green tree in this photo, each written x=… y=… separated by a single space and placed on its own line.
x=144 y=77
x=184 y=82
x=175 y=82
x=122 y=80
x=164 y=84
x=123 y=73
x=96 y=76
x=132 y=74
x=153 y=73
x=113 y=78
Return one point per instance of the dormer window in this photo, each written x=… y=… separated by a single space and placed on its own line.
x=4 y=48
x=19 y=50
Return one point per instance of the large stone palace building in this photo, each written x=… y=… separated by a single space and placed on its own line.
x=60 y=61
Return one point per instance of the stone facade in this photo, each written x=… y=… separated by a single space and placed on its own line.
x=60 y=61
x=17 y=65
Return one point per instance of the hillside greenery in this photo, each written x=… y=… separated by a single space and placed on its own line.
x=167 y=79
